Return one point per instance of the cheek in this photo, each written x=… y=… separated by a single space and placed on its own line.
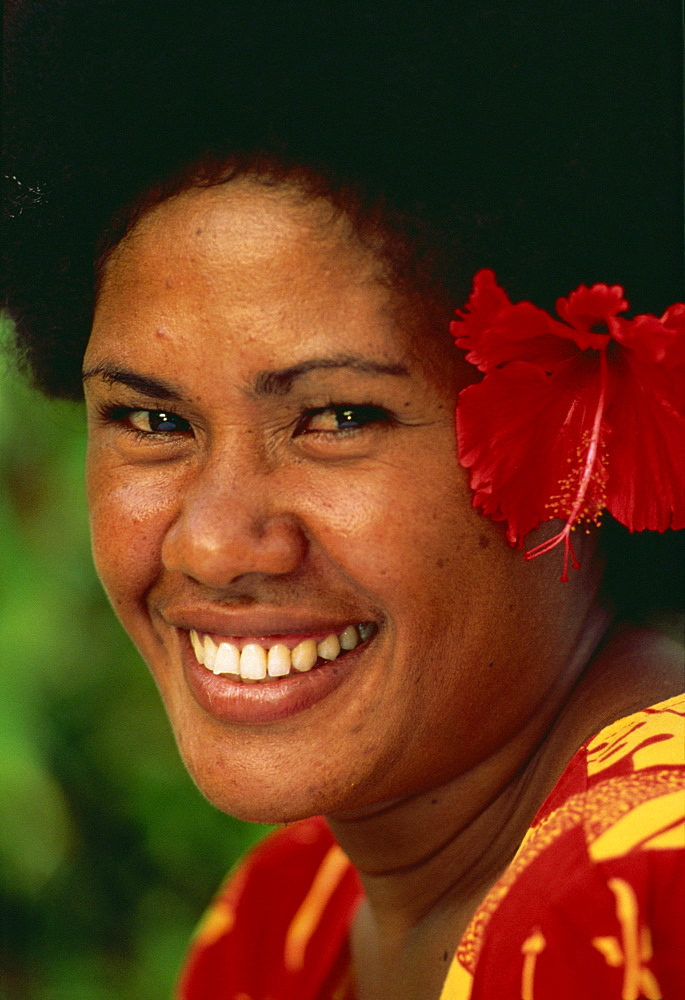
x=395 y=525
x=129 y=517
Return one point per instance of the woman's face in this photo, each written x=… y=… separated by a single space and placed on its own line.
x=272 y=462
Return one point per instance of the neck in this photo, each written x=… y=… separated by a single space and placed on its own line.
x=426 y=861
x=470 y=827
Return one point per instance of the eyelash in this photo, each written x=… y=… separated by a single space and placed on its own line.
x=121 y=415
x=345 y=414
x=350 y=417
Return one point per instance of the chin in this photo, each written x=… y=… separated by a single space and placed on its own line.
x=262 y=805
x=258 y=794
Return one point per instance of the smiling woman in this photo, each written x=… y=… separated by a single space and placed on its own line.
x=292 y=327
x=281 y=522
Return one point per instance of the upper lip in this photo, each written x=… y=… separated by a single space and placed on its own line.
x=258 y=623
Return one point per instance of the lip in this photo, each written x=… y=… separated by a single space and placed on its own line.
x=251 y=627
x=265 y=702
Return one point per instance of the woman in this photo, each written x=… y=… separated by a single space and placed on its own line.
x=281 y=524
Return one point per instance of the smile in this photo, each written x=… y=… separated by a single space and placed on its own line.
x=266 y=661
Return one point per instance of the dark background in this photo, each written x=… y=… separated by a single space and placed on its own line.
x=544 y=138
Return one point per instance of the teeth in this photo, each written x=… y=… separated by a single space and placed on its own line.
x=304 y=656
x=227 y=660
x=349 y=638
x=278 y=661
x=197 y=646
x=329 y=648
x=210 y=653
x=253 y=662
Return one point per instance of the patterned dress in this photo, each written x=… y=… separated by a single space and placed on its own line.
x=592 y=907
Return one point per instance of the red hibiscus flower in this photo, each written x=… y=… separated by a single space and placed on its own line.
x=575 y=415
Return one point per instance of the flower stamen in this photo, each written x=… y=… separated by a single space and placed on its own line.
x=593 y=471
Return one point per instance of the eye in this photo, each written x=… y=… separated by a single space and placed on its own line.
x=341 y=419
x=157 y=422
x=145 y=422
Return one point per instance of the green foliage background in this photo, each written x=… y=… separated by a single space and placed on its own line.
x=108 y=853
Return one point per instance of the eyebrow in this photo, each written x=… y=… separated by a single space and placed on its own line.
x=280 y=381
x=276 y=382
x=118 y=375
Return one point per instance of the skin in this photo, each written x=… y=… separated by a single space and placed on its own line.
x=432 y=756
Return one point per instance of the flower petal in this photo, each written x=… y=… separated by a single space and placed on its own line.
x=519 y=432
x=588 y=307
x=655 y=340
x=485 y=303
x=646 y=483
x=494 y=332
x=525 y=333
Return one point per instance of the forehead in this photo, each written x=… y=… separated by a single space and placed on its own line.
x=250 y=259
x=243 y=231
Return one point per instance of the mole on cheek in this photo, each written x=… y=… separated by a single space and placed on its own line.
x=484 y=542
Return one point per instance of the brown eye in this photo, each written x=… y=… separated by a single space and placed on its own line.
x=338 y=419
x=157 y=422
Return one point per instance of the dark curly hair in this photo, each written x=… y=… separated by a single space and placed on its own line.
x=464 y=135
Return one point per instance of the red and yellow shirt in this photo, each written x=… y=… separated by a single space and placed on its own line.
x=592 y=906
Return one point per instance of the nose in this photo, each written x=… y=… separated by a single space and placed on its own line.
x=231 y=524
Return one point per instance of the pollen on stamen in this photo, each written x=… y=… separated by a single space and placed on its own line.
x=581 y=500
x=562 y=503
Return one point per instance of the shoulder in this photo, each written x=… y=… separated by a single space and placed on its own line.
x=636 y=758
x=652 y=737
x=257 y=934
x=594 y=894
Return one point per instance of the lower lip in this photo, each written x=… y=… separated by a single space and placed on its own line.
x=263 y=702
